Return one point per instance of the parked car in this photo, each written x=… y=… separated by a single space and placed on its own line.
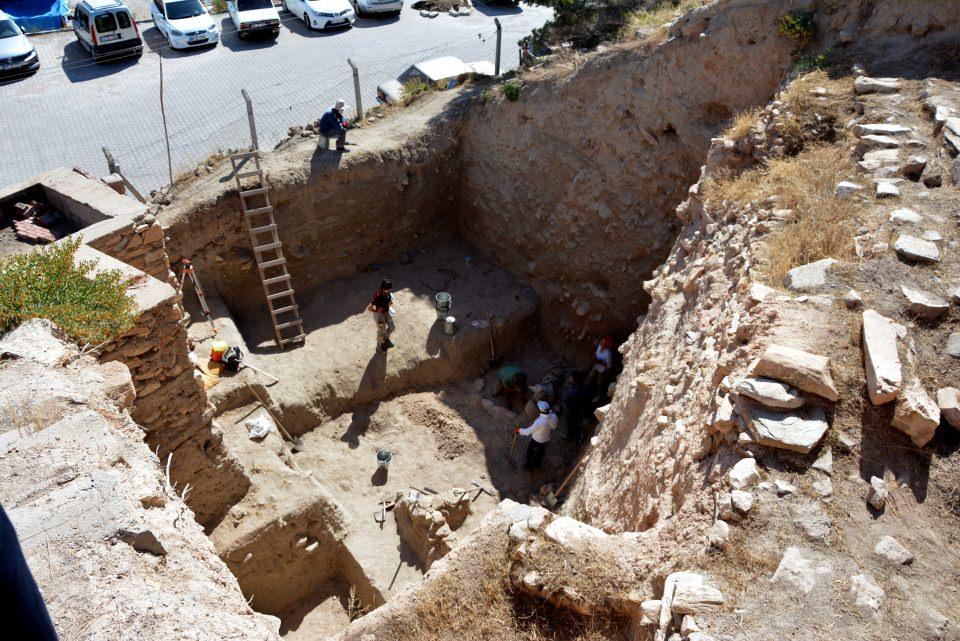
x=17 y=55
x=184 y=23
x=106 y=29
x=322 y=14
x=254 y=17
x=443 y=73
x=371 y=7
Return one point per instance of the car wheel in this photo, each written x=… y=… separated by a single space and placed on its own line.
x=306 y=21
x=283 y=5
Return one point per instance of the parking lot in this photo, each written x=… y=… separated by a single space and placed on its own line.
x=72 y=107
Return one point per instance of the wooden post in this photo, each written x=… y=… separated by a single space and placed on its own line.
x=356 y=89
x=496 y=65
x=255 y=145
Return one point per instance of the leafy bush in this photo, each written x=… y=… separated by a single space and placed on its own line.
x=799 y=26
x=47 y=284
x=218 y=6
x=414 y=88
x=804 y=64
x=510 y=90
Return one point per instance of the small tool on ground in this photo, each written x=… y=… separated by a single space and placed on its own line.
x=381 y=515
x=189 y=271
x=295 y=440
x=482 y=488
x=260 y=371
x=512 y=447
x=494 y=359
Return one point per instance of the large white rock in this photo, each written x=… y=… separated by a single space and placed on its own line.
x=845 y=189
x=718 y=535
x=916 y=414
x=887 y=190
x=744 y=474
x=881 y=129
x=759 y=292
x=905 y=216
x=948 y=400
x=892 y=550
x=570 y=532
x=723 y=418
x=769 y=392
x=800 y=568
x=877 y=158
x=692 y=595
x=866 y=595
x=877 y=494
x=865 y=84
x=810 y=372
x=797 y=430
x=953 y=345
x=741 y=501
x=881 y=359
x=913 y=248
x=37 y=340
x=924 y=304
x=873 y=142
x=810 y=276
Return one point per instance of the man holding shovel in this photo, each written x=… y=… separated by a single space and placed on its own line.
x=539 y=433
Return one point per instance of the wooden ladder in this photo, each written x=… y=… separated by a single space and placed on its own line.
x=267 y=249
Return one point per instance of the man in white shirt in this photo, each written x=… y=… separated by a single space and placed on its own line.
x=539 y=433
x=602 y=363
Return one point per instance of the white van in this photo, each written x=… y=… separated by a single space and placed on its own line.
x=106 y=29
x=184 y=23
x=253 y=17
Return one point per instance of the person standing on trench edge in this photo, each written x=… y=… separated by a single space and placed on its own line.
x=539 y=433
x=382 y=307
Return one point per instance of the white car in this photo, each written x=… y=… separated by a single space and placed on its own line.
x=184 y=23
x=254 y=17
x=17 y=55
x=370 y=7
x=322 y=14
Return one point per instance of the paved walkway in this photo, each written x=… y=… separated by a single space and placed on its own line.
x=65 y=113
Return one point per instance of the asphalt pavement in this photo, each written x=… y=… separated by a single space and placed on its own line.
x=72 y=107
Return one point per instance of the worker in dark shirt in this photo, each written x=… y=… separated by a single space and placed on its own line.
x=576 y=402
x=332 y=124
x=381 y=306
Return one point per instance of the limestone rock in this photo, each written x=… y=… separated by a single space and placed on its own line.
x=913 y=167
x=723 y=418
x=759 y=292
x=37 y=340
x=882 y=129
x=873 y=142
x=769 y=392
x=852 y=299
x=741 y=501
x=117 y=383
x=810 y=276
x=824 y=462
x=784 y=488
x=809 y=372
x=744 y=474
x=694 y=596
x=845 y=189
x=924 y=304
x=879 y=158
x=887 y=190
x=912 y=248
x=718 y=534
x=568 y=532
x=142 y=540
x=800 y=568
x=948 y=400
x=916 y=414
x=798 y=431
x=863 y=85
x=881 y=359
x=866 y=595
x=877 y=494
x=953 y=345
x=892 y=550
x=905 y=216
x=824 y=487
x=651 y=609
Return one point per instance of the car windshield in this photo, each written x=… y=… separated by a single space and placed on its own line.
x=184 y=9
x=8 y=29
x=250 y=5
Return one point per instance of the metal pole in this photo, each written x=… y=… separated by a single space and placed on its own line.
x=253 y=125
x=166 y=132
x=356 y=88
x=112 y=166
x=496 y=65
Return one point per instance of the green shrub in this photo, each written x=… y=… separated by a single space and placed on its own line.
x=414 y=88
x=804 y=64
x=799 y=26
x=47 y=284
x=218 y=6
x=510 y=90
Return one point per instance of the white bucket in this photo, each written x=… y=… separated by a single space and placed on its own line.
x=383 y=458
x=443 y=303
x=449 y=325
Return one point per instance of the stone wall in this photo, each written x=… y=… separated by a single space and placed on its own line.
x=136 y=240
x=171 y=403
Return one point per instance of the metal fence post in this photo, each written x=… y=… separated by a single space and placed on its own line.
x=356 y=88
x=496 y=65
x=253 y=125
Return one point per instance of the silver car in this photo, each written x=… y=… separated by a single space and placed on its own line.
x=17 y=55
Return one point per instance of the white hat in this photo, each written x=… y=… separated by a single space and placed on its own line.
x=543 y=406
x=339 y=105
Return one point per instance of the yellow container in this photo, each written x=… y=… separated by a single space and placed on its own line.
x=217 y=350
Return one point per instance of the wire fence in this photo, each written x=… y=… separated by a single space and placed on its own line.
x=202 y=104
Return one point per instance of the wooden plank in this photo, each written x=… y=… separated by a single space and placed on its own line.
x=258 y=210
x=275 y=280
x=268 y=246
x=264 y=229
x=281 y=310
x=289 y=293
x=272 y=263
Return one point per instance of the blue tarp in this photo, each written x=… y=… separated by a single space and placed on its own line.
x=36 y=15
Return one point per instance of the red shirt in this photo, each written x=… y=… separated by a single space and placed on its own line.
x=381 y=301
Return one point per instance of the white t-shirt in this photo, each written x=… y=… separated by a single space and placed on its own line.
x=605 y=356
x=541 y=428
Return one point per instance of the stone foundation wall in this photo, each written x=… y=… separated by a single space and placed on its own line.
x=136 y=240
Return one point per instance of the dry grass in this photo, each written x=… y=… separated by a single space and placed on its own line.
x=659 y=15
x=812 y=116
x=822 y=225
x=743 y=123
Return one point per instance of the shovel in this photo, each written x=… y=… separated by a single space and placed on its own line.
x=512 y=447
x=295 y=440
x=494 y=359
